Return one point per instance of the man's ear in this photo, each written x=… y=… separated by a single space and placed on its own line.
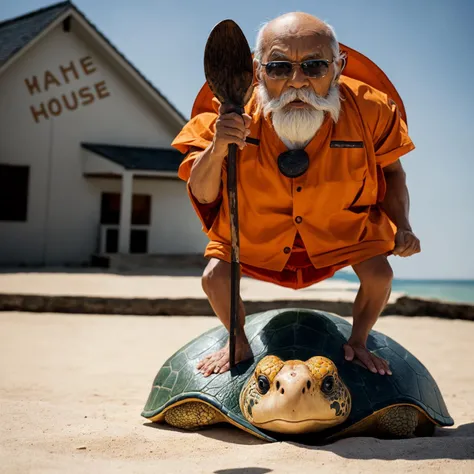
x=257 y=75
x=342 y=65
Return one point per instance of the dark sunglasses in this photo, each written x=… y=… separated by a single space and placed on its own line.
x=315 y=68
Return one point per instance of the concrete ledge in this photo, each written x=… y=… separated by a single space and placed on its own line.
x=408 y=306
x=404 y=306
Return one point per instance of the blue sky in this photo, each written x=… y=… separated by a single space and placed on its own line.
x=424 y=47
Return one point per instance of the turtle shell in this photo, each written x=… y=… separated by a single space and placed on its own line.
x=297 y=334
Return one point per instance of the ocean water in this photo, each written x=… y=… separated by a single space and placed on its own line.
x=459 y=291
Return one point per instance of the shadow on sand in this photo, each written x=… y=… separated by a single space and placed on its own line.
x=244 y=470
x=447 y=443
x=223 y=433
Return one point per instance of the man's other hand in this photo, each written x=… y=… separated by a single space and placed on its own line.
x=354 y=351
x=406 y=243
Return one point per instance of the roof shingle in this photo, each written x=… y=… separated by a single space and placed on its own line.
x=16 y=33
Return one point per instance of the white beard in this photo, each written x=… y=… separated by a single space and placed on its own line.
x=296 y=127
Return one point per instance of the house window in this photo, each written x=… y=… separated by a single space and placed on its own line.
x=139 y=241
x=141 y=216
x=111 y=241
x=141 y=207
x=14 y=184
x=110 y=209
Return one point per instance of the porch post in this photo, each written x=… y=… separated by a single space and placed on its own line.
x=125 y=212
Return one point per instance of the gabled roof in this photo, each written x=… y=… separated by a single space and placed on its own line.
x=17 y=34
x=138 y=158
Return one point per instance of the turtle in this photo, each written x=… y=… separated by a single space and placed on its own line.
x=298 y=385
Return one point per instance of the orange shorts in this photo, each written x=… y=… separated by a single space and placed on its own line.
x=298 y=272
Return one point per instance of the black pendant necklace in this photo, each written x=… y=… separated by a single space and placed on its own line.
x=293 y=163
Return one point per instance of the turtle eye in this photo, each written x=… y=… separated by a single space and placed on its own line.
x=263 y=384
x=328 y=384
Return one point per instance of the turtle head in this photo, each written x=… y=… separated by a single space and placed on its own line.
x=295 y=396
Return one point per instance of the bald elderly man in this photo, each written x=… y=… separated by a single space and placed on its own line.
x=346 y=205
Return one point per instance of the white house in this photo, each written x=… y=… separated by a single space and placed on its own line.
x=86 y=165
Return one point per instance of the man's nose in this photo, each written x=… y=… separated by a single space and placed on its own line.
x=298 y=78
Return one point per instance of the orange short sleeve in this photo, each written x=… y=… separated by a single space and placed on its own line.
x=206 y=212
x=197 y=133
x=390 y=132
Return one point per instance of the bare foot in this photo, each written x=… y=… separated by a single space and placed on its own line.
x=218 y=362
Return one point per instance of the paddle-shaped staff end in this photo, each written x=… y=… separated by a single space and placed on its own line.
x=228 y=64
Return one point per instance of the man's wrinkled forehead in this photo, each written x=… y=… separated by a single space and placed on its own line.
x=289 y=42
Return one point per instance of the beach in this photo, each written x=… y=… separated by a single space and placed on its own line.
x=110 y=213
x=72 y=388
x=184 y=282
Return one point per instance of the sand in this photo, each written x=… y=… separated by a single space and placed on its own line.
x=72 y=388
x=103 y=283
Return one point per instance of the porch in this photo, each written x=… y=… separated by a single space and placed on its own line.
x=126 y=216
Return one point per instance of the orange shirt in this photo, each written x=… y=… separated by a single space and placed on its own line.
x=334 y=206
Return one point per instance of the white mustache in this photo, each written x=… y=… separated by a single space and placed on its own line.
x=326 y=104
x=305 y=95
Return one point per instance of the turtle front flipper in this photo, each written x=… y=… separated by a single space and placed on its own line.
x=193 y=415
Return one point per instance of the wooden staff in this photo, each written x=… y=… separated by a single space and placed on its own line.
x=228 y=69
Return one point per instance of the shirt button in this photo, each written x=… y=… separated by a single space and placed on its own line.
x=298 y=219
x=298 y=189
x=287 y=250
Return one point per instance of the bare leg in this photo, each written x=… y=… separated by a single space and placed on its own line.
x=216 y=285
x=375 y=276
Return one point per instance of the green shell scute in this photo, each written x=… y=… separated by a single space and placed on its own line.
x=178 y=379
x=297 y=334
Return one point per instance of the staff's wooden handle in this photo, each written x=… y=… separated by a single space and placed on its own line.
x=235 y=249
